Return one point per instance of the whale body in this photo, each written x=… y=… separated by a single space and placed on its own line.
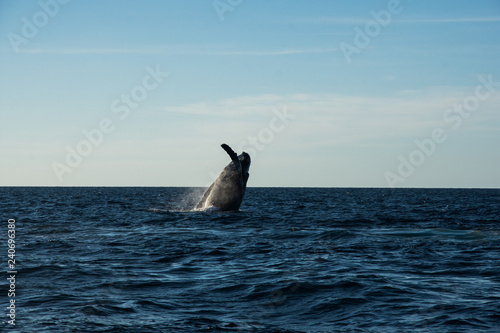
x=227 y=191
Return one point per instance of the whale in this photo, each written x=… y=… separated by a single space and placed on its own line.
x=227 y=191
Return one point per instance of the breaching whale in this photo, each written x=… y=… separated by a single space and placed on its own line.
x=226 y=192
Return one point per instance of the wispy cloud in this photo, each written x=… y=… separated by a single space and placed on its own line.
x=362 y=20
x=232 y=107
x=182 y=50
x=331 y=20
x=450 y=20
x=70 y=51
x=330 y=119
x=278 y=52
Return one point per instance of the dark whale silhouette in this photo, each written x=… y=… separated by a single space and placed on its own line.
x=227 y=191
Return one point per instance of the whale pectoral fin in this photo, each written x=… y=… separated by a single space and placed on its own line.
x=231 y=153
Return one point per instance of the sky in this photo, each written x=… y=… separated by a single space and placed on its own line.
x=320 y=94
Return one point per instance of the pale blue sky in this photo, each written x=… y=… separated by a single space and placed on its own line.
x=270 y=77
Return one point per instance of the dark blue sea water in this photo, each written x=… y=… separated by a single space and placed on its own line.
x=292 y=260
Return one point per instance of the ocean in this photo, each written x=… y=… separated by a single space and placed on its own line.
x=131 y=259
